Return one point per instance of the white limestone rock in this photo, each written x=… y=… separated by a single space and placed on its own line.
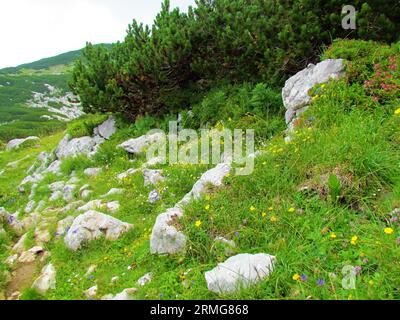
x=72 y=148
x=16 y=143
x=63 y=225
x=92 y=172
x=92 y=225
x=30 y=255
x=57 y=186
x=68 y=193
x=54 y=167
x=92 y=205
x=213 y=177
x=42 y=236
x=112 y=192
x=34 y=178
x=127 y=294
x=19 y=247
x=295 y=93
x=113 y=206
x=127 y=173
x=91 y=292
x=145 y=279
x=239 y=271
x=30 y=206
x=55 y=196
x=107 y=128
x=86 y=194
x=139 y=145
x=165 y=238
x=46 y=280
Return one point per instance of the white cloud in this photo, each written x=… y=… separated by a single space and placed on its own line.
x=34 y=29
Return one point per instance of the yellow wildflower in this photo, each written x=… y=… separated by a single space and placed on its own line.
x=388 y=230
x=397 y=112
x=333 y=235
x=252 y=209
x=198 y=223
x=354 y=240
x=271 y=209
x=264 y=214
x=207 y=207
x=291 y=210
x=273 y=219
x=296 y=277
x=371 y=282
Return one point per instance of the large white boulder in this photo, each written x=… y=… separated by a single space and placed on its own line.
x=138 y=145
x=295 y=93
x=213 y=177
x=238 y=272
x=93 y=225
x=54 y=167
x=46 y=280
x=76 y=146
x=16 y=143
x=165 y=238
x=106 y=129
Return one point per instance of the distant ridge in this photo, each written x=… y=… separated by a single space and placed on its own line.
x=46 y=63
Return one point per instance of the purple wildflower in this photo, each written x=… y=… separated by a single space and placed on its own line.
x=154 y=196
x=11 y=219
x=365 y=260
x=357 y=269
x=91 y=277
x=321 y=282
x=237 y=234
x=303 y=278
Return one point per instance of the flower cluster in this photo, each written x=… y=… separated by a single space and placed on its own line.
x=385 y=84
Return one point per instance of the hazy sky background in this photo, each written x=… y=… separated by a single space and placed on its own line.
x=34 y=29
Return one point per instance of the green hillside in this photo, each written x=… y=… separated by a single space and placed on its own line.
x=63 y=59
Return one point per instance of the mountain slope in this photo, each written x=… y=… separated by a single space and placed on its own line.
x=325 y=200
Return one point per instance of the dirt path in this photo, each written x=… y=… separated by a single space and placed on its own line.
x=23 y=278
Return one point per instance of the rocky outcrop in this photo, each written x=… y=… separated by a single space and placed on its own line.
x=92 y=172
x=213 y=177
x=295 y=94
x=16 y=143
x=46 y=280
x=139 y=145
x=238 y=272
x=93 y=225
x=106 y=129
x=76 y=146
x=165 y=238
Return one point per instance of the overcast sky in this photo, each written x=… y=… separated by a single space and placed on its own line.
x=34 y=29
